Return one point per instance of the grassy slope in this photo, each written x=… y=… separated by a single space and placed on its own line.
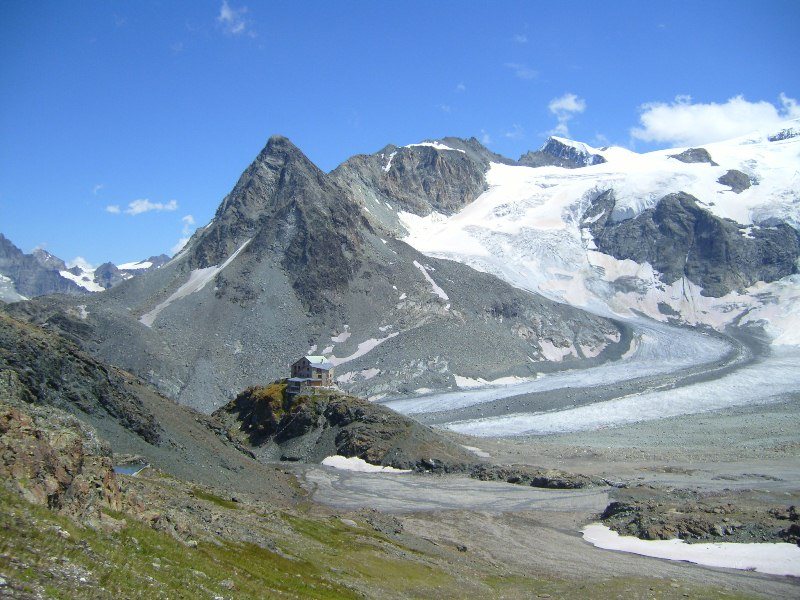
x=316 y=557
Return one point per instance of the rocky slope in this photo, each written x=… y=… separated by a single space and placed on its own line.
x=295 y=261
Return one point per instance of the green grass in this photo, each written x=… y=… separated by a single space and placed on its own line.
x=142 y=562
x=208 y=496
x=319 y=557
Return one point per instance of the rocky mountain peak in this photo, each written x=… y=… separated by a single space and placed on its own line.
x=47 y=260
x=561 y=152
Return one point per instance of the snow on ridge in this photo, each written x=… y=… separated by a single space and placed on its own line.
x=437 y=145
x=435 y=288
x=132 y=266
x=526 y=229
x=580 y=146
x=198 y=279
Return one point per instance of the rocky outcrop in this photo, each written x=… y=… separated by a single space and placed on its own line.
x=557 y=152
x=311 y=427
x=47 y=369
x=535 y=477
x=652 y=514
x=695 y=155
x=52 y=459
x=681 y=239
x=736 y=180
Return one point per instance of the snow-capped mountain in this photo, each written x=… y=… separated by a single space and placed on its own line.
x=298 y=261
x=40 y=273
x=545 y=266
x=706 y=235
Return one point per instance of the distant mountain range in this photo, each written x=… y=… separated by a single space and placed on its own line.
x=24 y=276
x=443 y=265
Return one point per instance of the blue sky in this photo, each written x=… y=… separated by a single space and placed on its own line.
x=124 y=124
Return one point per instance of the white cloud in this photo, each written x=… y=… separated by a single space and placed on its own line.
x=188 y=222
x=461 y=87
x=80 y=262
x=113 y=209
x=565 y=108
x=521 y=38
x=137 y=207
x=684 y=123
x=600 y=140
x=178 y=246
x=486 y=139
x=516 y=132
x=522 y=71
x=232 y=20
x=97 y=188
x=444 y=108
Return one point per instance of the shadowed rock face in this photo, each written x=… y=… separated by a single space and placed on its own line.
x=310 y=428
x=555 y=153
x=679 y=238
x=736 y=180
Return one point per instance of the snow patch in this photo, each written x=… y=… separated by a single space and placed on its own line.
x=388 y=164
x=555 y=353
x=436 y=289
x=358 y=465
x=85 y=280
x=477 y=451
x=198 y=279
x=362 y=375
x=772 y=559
x=342 y=337
x=363 y=348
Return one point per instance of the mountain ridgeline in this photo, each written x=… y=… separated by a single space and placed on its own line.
x=299 y=261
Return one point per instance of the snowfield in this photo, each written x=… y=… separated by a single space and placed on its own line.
x=773 y=559
x=526 y=229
